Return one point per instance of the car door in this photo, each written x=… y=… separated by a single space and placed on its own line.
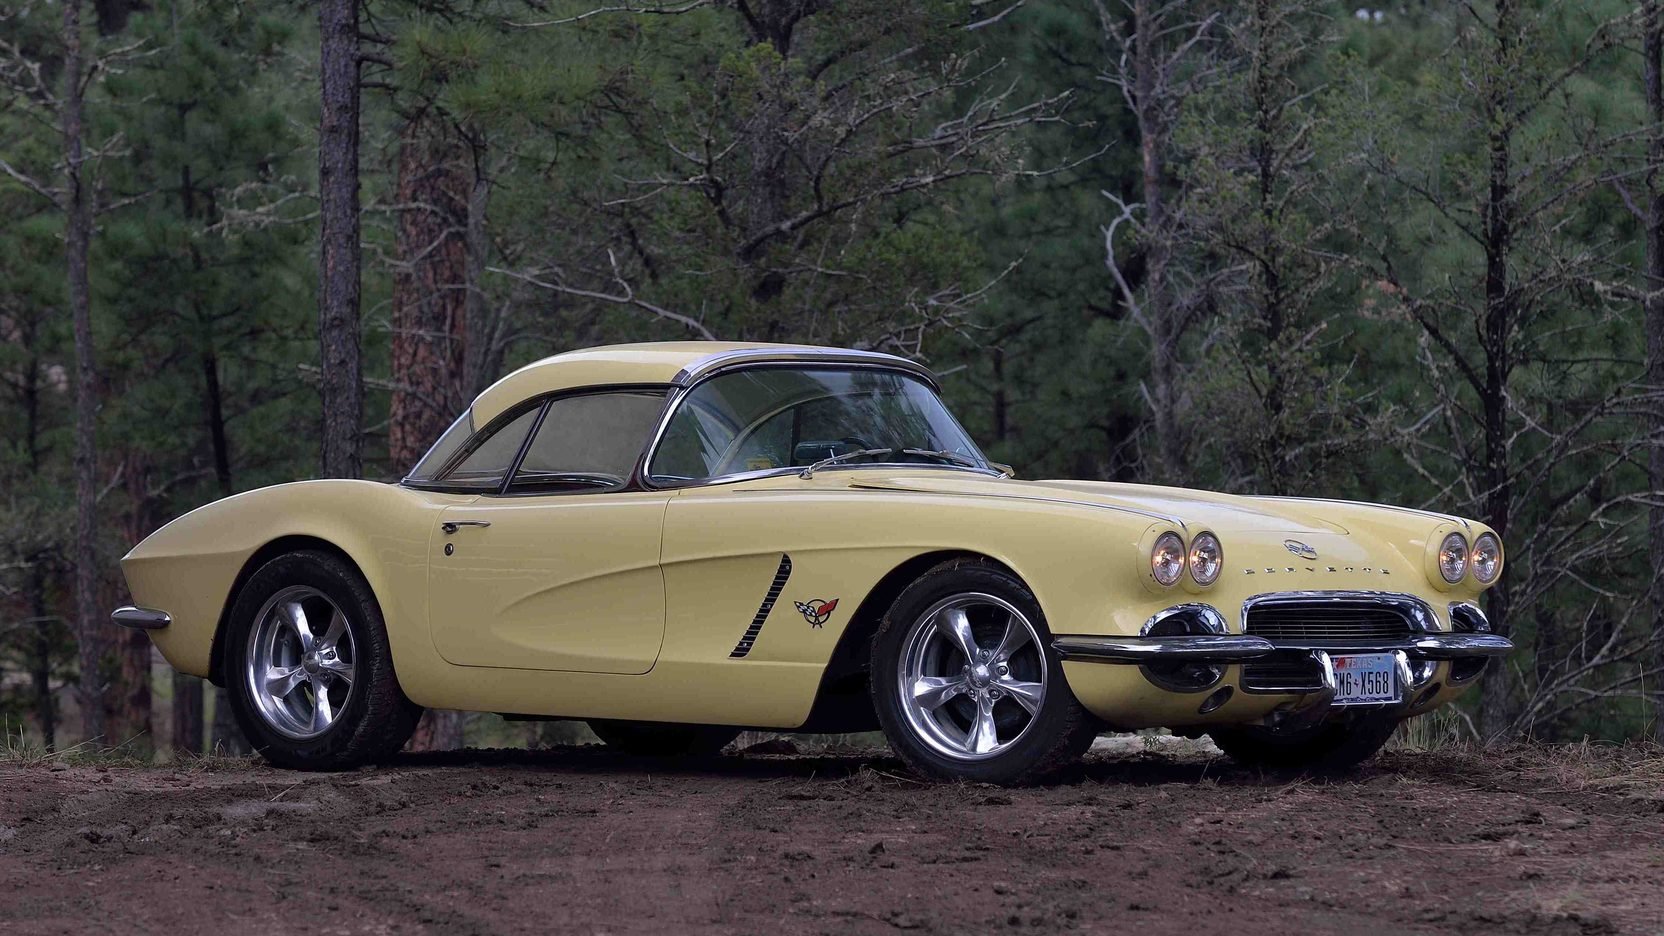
x=559 y=570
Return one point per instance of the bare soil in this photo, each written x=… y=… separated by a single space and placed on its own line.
x=582 y=840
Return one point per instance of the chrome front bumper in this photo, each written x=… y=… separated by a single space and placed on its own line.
x=1186 y=649
x=1235 y=648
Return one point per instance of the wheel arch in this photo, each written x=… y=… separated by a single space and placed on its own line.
x=842 y=703
x=282 y=545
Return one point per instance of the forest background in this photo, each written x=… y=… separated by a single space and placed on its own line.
x=1412 y=255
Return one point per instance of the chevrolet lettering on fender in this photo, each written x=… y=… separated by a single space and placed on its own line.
x=634 y=536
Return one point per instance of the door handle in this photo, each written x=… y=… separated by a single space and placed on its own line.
x=450 y=526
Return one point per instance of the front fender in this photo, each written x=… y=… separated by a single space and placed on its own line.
x=189 y=567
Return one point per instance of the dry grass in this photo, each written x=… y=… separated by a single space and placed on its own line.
x=1588 y=767
x=18 y=749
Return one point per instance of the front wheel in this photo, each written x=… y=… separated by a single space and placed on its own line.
x=966 y=684
x=1328 y=747
x=308 y=668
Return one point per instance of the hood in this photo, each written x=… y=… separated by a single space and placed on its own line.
x=1222 y=513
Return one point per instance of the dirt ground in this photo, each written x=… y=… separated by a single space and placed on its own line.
x=581 y=840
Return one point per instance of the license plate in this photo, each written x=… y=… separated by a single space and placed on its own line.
x=1364 y=678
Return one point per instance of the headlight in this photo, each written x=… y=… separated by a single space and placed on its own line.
x=1487 y=558
x=1167 y=558
x=1207 y=557
x=1453 y=558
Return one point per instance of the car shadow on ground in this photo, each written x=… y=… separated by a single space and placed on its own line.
x=1142 y=769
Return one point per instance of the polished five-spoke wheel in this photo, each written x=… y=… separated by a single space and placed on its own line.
x=301 y=662
x=965 y=683
x=309 y=668
x=972 y=676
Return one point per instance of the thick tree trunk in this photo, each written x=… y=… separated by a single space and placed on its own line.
x=338 y=296
x=91 y=625
x=1161 y=318
x=432 y=292
x=1500 y=704
x=1653 y=78
x=1269 y=135
x=431 y=289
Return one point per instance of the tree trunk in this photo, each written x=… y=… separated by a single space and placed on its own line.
x=40 y=657
x=91 y=627
x=226 y=737
x=431 y=299
x=40 y=648
x=1160 y=317
x=1500 y=704
x=1653 y=78
x=431 y=289
x=338 y=336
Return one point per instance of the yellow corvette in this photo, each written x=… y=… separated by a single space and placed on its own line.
x=677 y=541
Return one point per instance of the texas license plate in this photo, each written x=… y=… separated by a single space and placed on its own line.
x=1365 y=678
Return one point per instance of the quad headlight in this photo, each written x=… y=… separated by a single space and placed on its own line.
x=1453 y=558
x=1486 y=558
x=1207 y=558
x=1167 y=558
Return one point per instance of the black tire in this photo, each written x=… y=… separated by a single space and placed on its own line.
x=376 y=719
x=656 y=739
x=1329 y=747
x=1057 y=734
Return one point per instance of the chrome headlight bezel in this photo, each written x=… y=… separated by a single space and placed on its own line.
x=1486 y=543
x=1452 y=558
x=1168 y=552
x=1206 y=558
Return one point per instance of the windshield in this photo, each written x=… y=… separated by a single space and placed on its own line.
x=775 y=417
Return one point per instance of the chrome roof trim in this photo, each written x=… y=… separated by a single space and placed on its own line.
x=723 y=360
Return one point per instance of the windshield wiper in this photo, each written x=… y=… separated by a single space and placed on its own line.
x=958 y=459
x=809 y=472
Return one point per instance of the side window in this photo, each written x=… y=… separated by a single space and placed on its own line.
x=448 y=445
x=589 y=442
x=485 y=467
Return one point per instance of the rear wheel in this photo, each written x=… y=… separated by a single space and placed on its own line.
x=1326 y=747
x=966 y=684
x=308 y=669
x=654 y=739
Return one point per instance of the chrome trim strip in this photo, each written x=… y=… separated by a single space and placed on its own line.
x=1209 y=648
x=1456 y=646
x=1035 y=498
x=140 y=618
x=726 y=360
x=1443 y=518
x=1421 y=647
x=1418 y=612
x=1211 y=618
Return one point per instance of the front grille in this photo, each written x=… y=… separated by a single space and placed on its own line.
x=1276 y=675
x=1325 y=622
x=1338 y=623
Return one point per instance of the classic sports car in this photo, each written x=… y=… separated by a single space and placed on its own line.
x=677 y=541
